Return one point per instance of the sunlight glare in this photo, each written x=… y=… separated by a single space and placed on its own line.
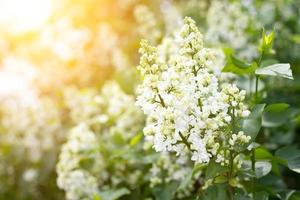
x=20 y=16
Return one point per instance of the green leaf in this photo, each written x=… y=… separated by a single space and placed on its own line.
x=96 y=197
x=86 y=162
x=294 y=196
x=218 y=191
x=257 y=111
x=287 y=194
x=252 y=124
x=251 y=127
x=118 y=139
x=287 y=153
x=241 y=197
x=238 y=66
x=275 y=115
x=165 y=192
x=136 y=139
x=267 y=41
x=234 y=182
x=294 y=164
x=221 y=179
x=214 y=169
x=113 y=194
x=262 y=168
x=268 y=62
x=296 y=38
x=240 y=63
x=279 y=69
x=262 y=153
x=290 y=156
x=261 y=196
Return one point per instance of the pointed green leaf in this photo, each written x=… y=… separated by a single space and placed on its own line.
x=275 y=115
x=238 y=66
x=290 y=156
x=136 y=139
x=279 y=69
x=252 y=124
x=267 y=41
x=262 y=153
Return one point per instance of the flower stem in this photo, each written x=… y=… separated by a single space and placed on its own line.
x=184 y=141
x=256 y=88
x=256 y=101
x=231 y=157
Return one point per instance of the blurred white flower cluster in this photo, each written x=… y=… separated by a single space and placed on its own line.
x=111 y=106
x=81 y=149
x=148 y=26
x=227 y=23
x=28 y=121
x=28 y=135
x=186 y=108
x=33 y=128
x=83 y=166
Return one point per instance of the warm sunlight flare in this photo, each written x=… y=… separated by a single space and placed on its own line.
x=19 y=16
x=149 y=100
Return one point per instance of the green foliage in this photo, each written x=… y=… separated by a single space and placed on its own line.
x=218 y=191
x=165 y=192
x=213 y=170
x=252 y=124
x=238 y=66
x=280 y=70
x=112 y=194
x=275 y=115
x=267 y=41
x=289 y=156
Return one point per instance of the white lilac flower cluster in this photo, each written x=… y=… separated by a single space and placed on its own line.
x=81 y=104
x=168 y=50
x=68 y=43
x=80 y=148
x=82 y=167
x=172 y=17
x=29 y=132
x=110 y=54
x=227 y=23
x=112 y=105
x=147 y=24
x=30 y=126
x=64 y=40
x=186 y=108
x=35 y=128
x=119 y=108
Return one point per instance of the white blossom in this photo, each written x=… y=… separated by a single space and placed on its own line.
x=227 y=23
x=103 y=116
x=147 y=23
x=186 y=107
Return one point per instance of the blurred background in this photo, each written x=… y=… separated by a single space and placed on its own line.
x=51 y=50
